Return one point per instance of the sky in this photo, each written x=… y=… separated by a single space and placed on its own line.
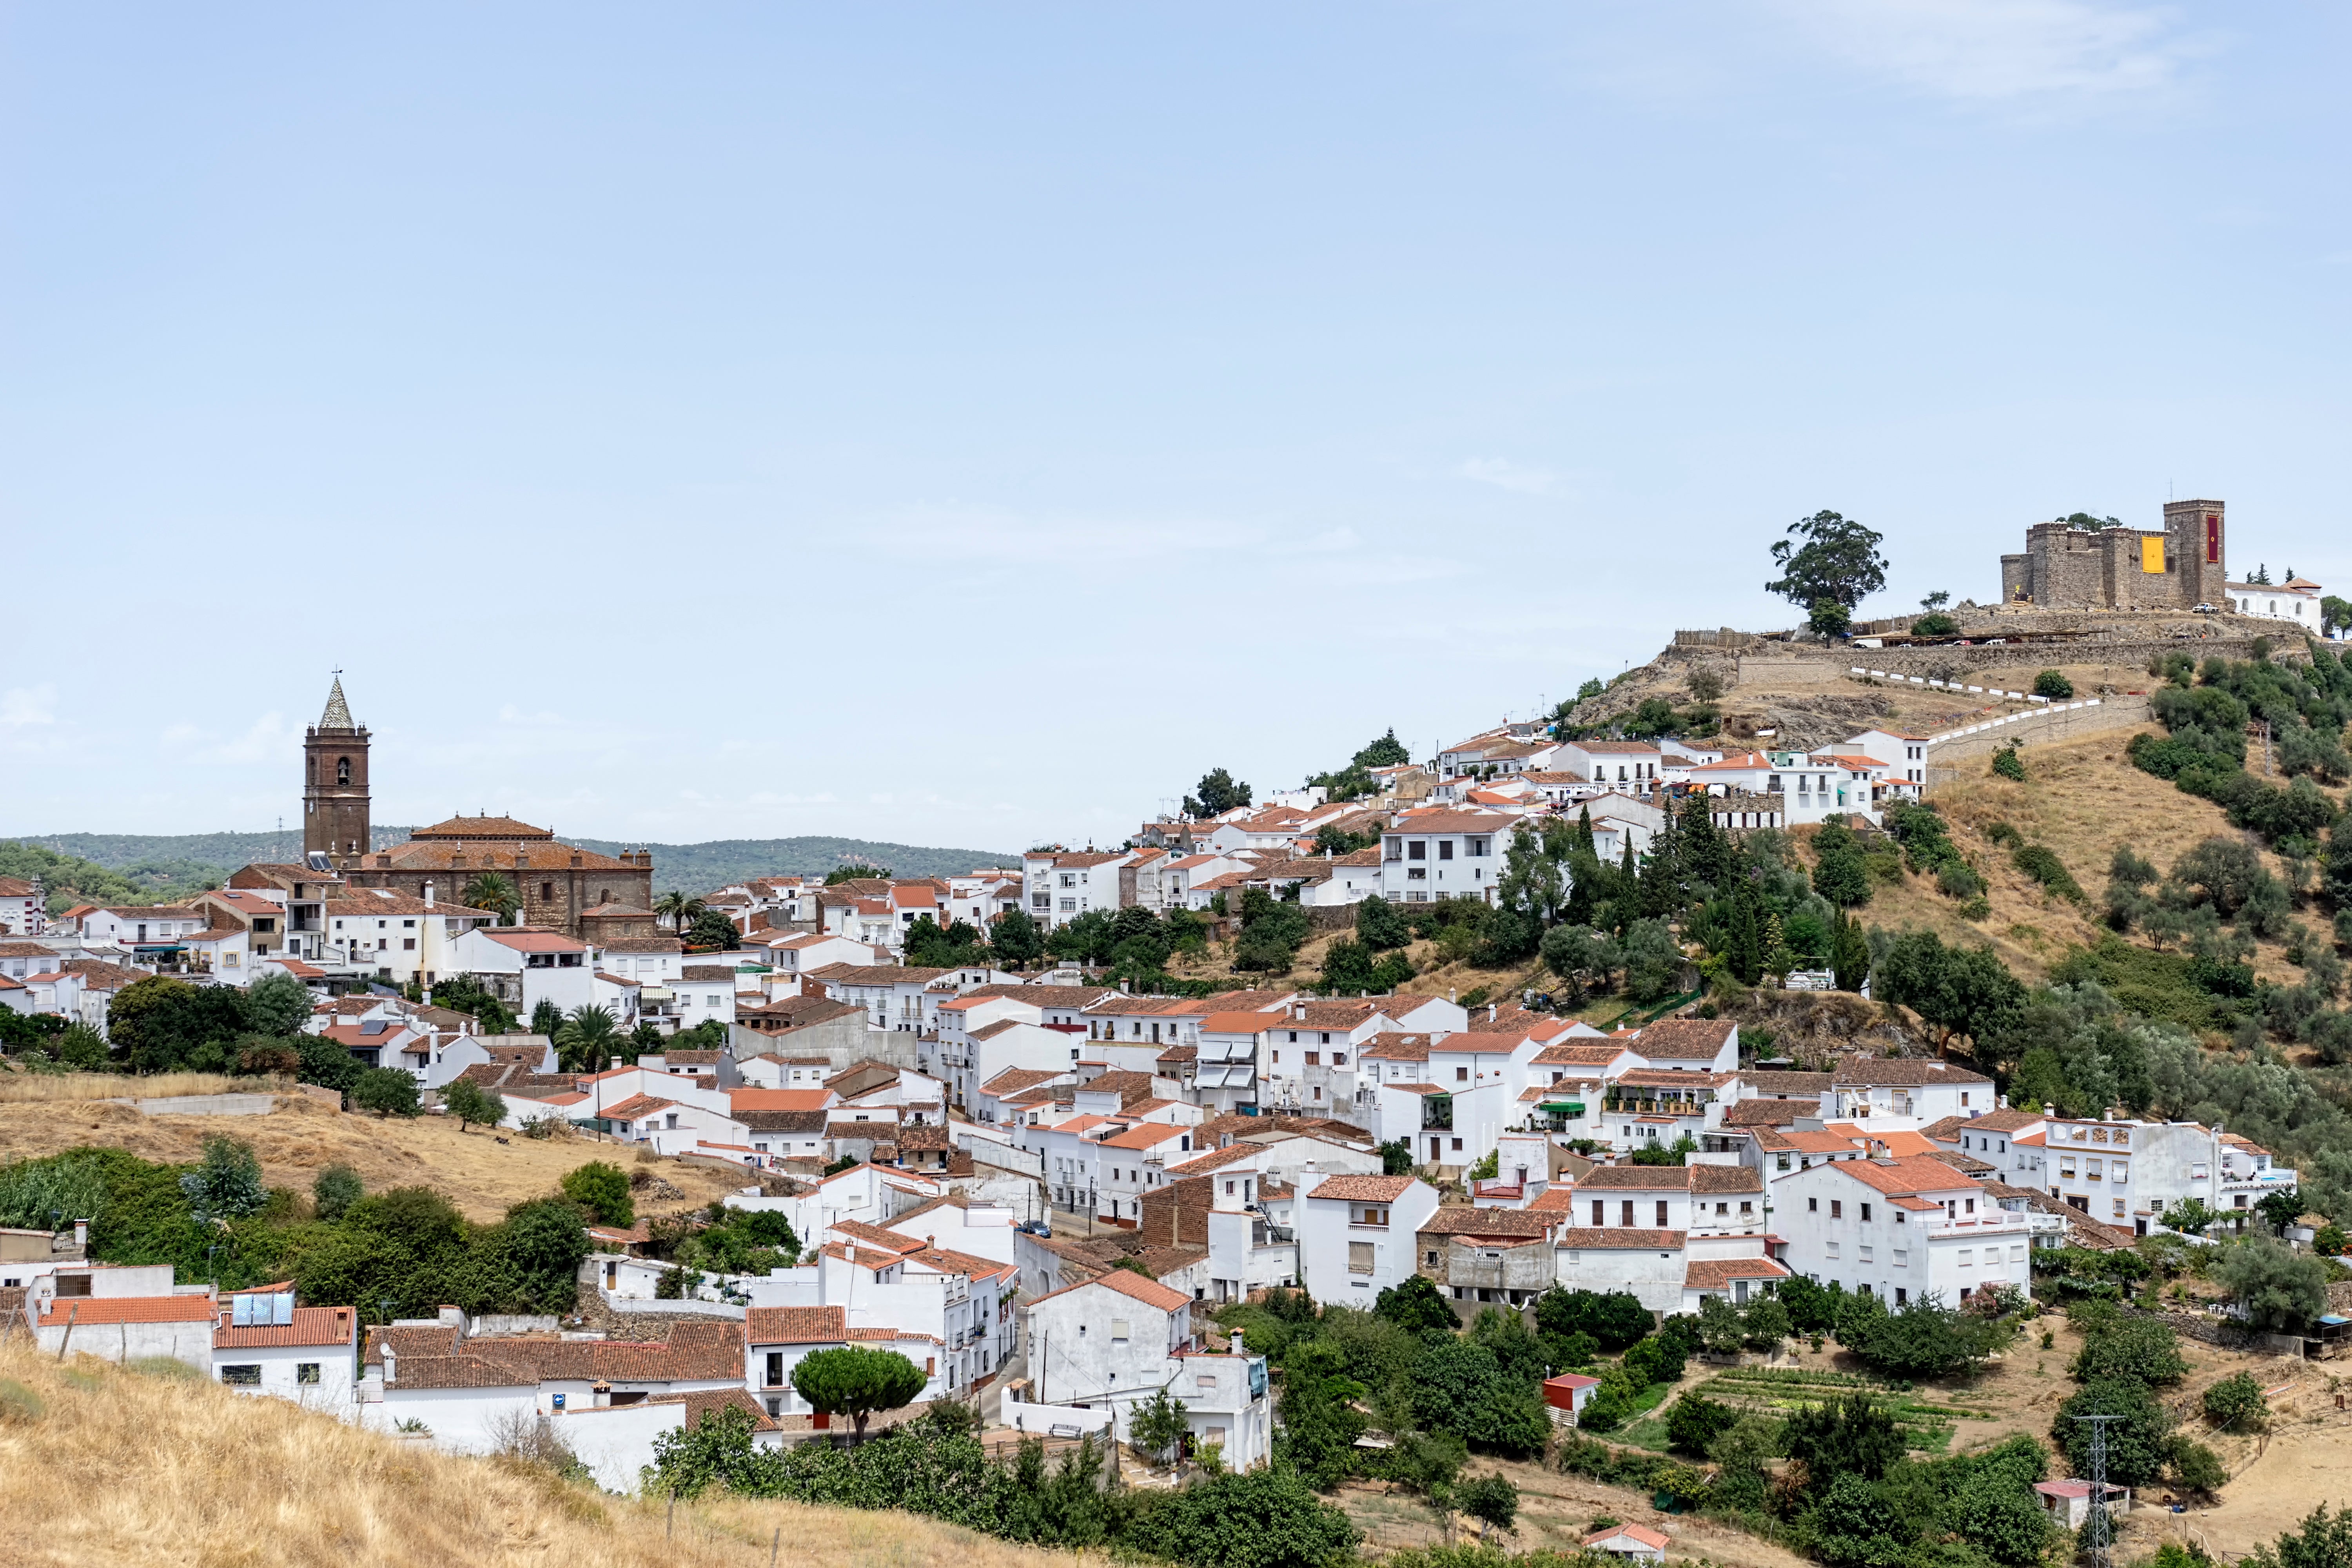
x=966 y=425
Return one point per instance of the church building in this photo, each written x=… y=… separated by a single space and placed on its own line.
x=590 y=897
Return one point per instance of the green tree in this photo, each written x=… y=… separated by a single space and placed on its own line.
x=1694 y=1422
x=1719 y=1328
x=1922 y=1339
x=1157 y=1428
x=164 y=1025
x=489 y=890
x=1850 y=1525
x=387 y=1091
x=2143 y=1348
x=277 y=1003
x=856 y=871
x=1614 y=1320
x=1266 y=1517
x=546 y=1018
x=1996 y=1511
x=2335 y=613
x=226 y=1183
x=327 y=1063
x=1382 y=925
x=1960 y=991
x=1492 y=1500
x=1653 y=960
x=1839 y=562
x=539 y=1247
x=1219 y=794
x=2137 y=1444
x=473 y=1105
x=1016 y=939
x=2053 y=684
x=713 y=929
x=335 y=1189
x=680 y=909
x=2235 y=1404
x=2277 y=1287
x=857 y=1381
x=602 y=1188
x=1839 y=872
x=2008 y=765
x=1415 y=1303
x=1854 y=1436
x=2323 y=1543
x=583 y=1042
x=1388 y=752
x=1767 y=1322
x=1396 y=1158
x=1849 y=953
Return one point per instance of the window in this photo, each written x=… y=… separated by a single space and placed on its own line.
x=1118 y=1328
x=1462 y=1075
x=1832 y=1247
x=1433 y=1259
x=1812 y=1205
x=1625 y=1213
x=1476 y=848
x=1446 y=849
x=1360 y=1258
x=1966 y=1259
x=1417 y=850
x=1662 y=1214
x=242 y=1376
x=1837 y=1208
x=408 y=945
x=1457 y=1145
x=1746 y=1208
x=2120 y=1172
x=1600 y=1214
x=1865 y=1213
x=2119 y=1208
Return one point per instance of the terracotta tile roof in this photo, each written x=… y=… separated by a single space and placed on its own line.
x=1558 y=1199
x=1905 y=1177
x=1638 y=1178
x=636 y=1105
x=1967 y=1163
x=311 y=1326
x=1387 y=1048
x=459 y=1372
x=1128 y=1283
x=1717 y=1273
x=1641 y=1532
x=1460 y=1219
x=1797 y=1085
x=2002 y=1121
x=413 y=1339
x=1579 y=1053
x=890 y=1240
x=1769 y=1112
x=807 y=1121
x=1363 y=1189
x=1149 y=1135
x=83 y=1310
x=1605 y=1240
x=1896 y=1072
x=779 y=1099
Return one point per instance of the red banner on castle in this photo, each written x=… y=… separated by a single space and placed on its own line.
x=2212 y=539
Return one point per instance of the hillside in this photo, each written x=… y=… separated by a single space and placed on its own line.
x=303 y=1137
x=160 y=866
x=107 y=1465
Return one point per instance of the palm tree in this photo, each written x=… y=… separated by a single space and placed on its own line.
x=586 y=1039
x=488 y=890
x=681 y=910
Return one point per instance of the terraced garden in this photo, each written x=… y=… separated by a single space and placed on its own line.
x=1770 y=1391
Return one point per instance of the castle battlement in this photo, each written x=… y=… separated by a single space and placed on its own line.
x=2176 y=567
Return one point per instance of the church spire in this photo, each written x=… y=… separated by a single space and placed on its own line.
x=338 y=715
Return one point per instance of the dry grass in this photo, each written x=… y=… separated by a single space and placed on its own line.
x=303 y=1136
x=2083 y=800
x=22 y=1089
x=123 y=1466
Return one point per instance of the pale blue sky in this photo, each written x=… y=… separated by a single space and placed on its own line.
x=966 y=424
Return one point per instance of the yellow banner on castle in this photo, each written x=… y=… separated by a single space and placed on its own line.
x=2151 y=555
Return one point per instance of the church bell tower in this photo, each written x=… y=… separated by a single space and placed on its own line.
x=335 y=784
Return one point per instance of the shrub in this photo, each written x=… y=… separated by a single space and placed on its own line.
x=2006 y=763
x=387 y=1091
x=2053 y=685
x=2044 y=865
x=1693 y=1423
x=335 y=1190
x=2140 y=1348
x=602 y=1189
x=2197 y=1469
x=1935 y=624
x=2236 y=1403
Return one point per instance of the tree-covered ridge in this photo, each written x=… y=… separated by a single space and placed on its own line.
x=68 y=880
x=153 y=865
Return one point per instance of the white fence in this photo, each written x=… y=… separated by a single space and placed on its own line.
x=1054 y=1420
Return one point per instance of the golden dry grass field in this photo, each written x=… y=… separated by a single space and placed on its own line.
x=102 y=1465
x=303 y=1137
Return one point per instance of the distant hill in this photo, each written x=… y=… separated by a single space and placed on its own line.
x=179 y=863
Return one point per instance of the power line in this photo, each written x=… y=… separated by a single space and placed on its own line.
x=2098 y=1530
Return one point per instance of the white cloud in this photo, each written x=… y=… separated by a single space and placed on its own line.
x=268 y=739
x=21 y=706
x=1989 y=50
x=1505 y=475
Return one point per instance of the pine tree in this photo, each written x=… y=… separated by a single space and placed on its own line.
x=1850 y=954
x=1746 y=946
x=1585 y=827
x=1778 y=959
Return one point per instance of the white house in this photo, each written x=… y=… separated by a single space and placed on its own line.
x=21 y=909
x=1118 y=1340
x=1899 y=1228
x=525 y=966
x=1636 y=1543
x=1866 y=1087
x=1905 y=754
x=265 y=1344
x=2296 y=599
x=1356 y=1234
x=1434 y=854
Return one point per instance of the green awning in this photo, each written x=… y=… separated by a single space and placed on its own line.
x=1569 y=1107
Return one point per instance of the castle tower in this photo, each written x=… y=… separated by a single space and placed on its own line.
x=2196 y=539
x=335 y=783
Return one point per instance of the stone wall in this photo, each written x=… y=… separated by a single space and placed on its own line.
x=2043 y=728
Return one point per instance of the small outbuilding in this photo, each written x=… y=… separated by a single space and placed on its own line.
x=2068 y=1502
x=1634 y=1543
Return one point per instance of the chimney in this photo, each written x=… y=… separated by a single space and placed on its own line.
x=601 y=1395
x=1492 y=1008
x=81 y=1233
x=611 y=1063
x=429 y=895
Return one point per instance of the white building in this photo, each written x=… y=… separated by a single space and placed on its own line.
x=525 y=966
x=1899 y=1229
x=1356 y=1234
x=1868 y=1088
x=265 y=1344
x=1436 y=855
x=2296 y=600
x=21 y=909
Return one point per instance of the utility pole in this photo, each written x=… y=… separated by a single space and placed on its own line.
x=2098 y=1532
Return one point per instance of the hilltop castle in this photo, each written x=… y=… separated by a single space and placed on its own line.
x=2178 y=567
